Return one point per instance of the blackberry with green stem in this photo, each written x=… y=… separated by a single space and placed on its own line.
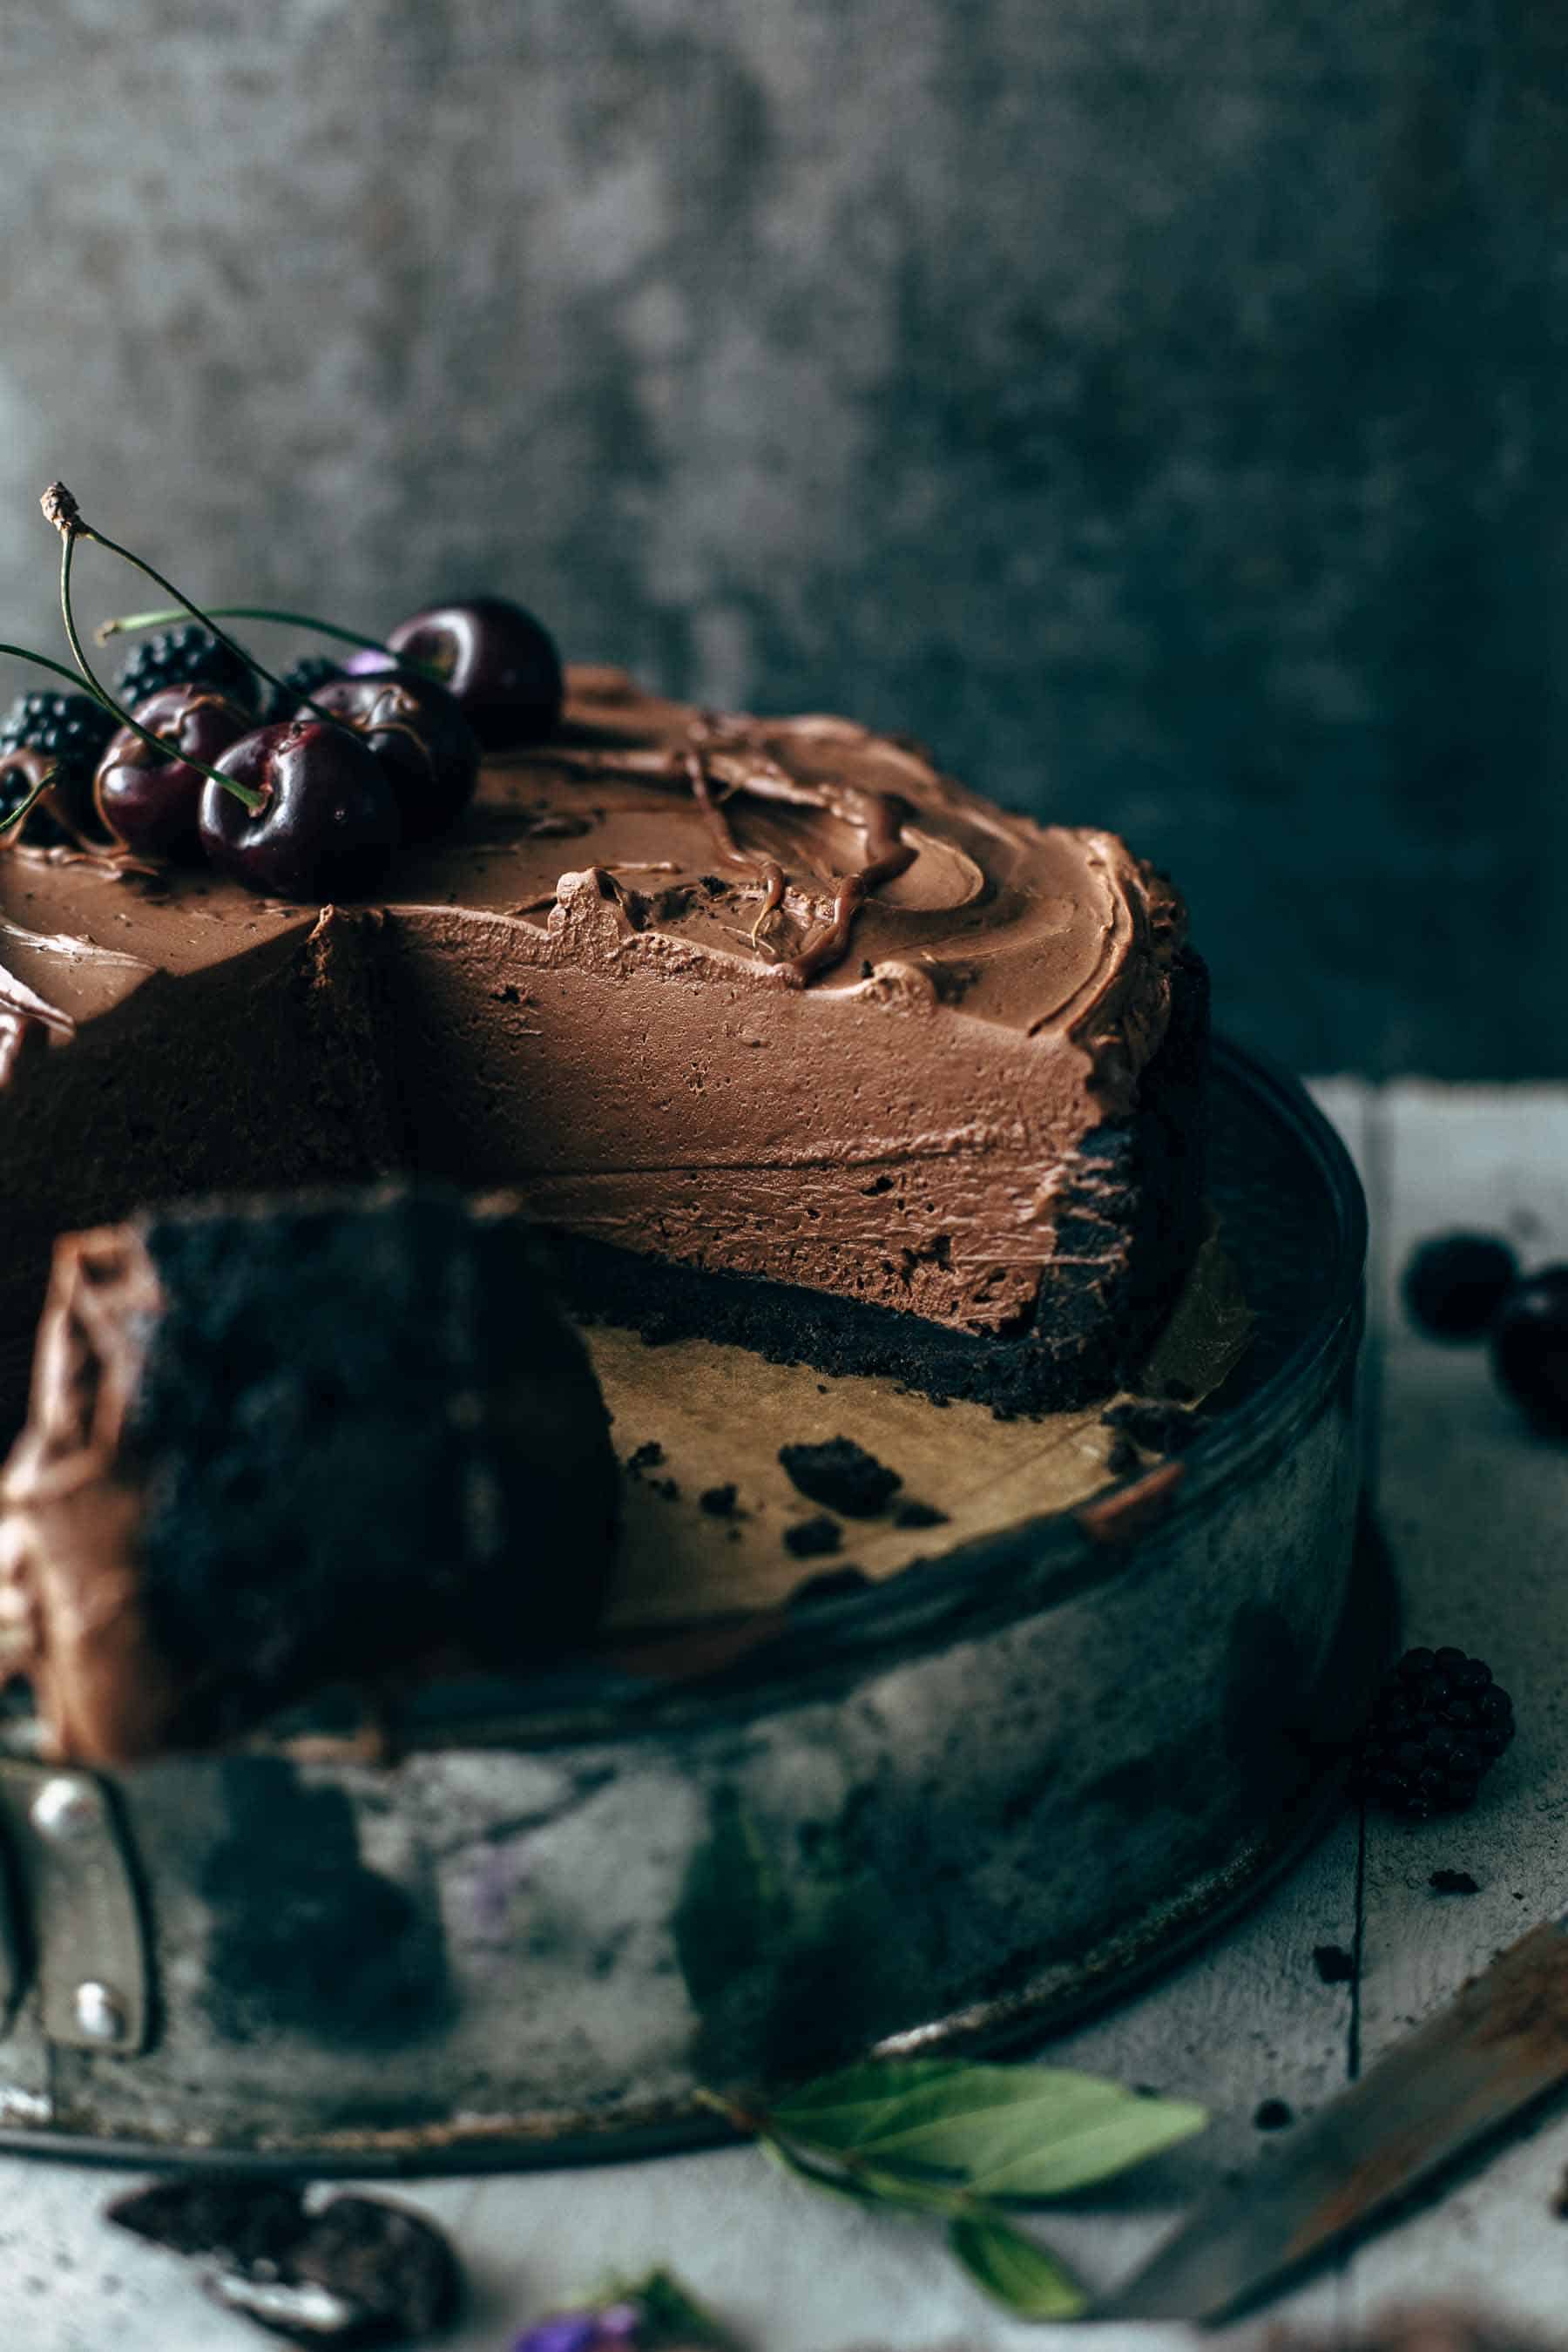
x=56 y=736
x=188 y=655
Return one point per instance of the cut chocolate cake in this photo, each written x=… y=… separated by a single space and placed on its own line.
x=276 y=1445
x=788 y=1039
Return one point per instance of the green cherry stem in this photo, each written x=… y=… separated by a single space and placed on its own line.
x=132 y=625
x=63 y=515
x=66 y=515
x=25 y=653
x=19 y=817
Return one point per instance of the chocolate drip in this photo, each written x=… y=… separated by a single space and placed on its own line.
x=881 y=818
x=729 y=850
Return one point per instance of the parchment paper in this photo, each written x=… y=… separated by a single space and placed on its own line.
x=720 y=1414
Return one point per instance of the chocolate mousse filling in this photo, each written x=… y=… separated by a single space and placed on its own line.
x=789 y=1039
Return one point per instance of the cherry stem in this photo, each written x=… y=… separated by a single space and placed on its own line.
x=19 y=817
x=113 y=547
x=132 y=624
x=23 y=652
x=70 y=530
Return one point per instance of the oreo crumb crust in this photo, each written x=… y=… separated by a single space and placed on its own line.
x=842 y=1475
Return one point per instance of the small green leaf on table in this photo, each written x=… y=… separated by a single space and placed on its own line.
x=1013 y=2271
x=1029 y=2133
x=938 y=2136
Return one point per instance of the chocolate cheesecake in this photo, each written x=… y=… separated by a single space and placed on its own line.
x=276 y=1445
x=787 y=1039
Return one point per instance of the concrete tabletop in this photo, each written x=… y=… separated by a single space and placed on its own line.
x=1476 y=1512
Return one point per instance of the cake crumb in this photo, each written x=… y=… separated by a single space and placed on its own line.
x=1455 y=1881
x=841 y=1474
x=913 y=1514
x=809 y=1537
x=1274 y=2115
x=720 y=1502
x=647 y=1457
x=1334 y=1964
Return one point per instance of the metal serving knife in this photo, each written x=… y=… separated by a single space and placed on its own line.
x=1499 y=2045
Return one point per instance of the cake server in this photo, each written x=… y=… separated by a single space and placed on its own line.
x=1499 y=2046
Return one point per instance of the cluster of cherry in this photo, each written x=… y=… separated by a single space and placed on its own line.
x=303 y=785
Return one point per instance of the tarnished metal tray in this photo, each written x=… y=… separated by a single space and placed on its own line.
x=954 y=1808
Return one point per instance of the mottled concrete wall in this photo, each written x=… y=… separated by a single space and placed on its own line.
x=1162 y=408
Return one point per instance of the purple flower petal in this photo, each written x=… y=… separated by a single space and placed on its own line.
x=568 y=2331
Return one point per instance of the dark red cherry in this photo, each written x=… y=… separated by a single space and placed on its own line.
x=496 y=660
x=422 y=740
x=1530 y=1347
x=153 y=805
x=329 y=823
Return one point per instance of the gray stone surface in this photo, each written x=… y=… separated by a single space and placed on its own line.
x=1159 y=409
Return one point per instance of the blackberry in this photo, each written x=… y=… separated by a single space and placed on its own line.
x=65 y=731
x=296 y=685
x=1455 y=1283
x=70 y=730
x=188 y=656
x=1438 y=1723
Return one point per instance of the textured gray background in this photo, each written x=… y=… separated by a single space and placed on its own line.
x=1161 y=407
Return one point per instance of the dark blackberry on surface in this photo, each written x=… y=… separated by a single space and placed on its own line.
x=1439 y=1724
x=186 y=655
x=1455 y=1283
x=1530 y=1348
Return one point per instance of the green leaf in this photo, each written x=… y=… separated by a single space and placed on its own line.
x=1027 y=2132
x=1014 y=2271
x=868 y=2185
x=834 y=2184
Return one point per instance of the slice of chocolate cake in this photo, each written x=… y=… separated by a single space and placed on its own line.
x=277 y=1445
x=791 y=1040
